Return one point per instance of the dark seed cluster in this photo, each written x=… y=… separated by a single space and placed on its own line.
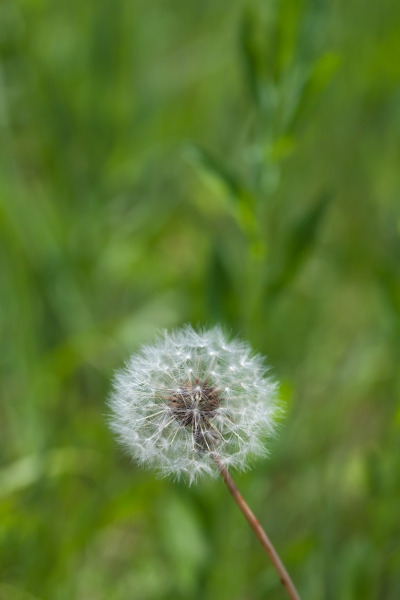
x=193 y=406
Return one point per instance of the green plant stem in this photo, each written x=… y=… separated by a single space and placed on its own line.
x=260 y=533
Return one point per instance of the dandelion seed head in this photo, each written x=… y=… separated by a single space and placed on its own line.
x=192 y=395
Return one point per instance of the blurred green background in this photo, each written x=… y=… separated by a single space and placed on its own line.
x=203 y=162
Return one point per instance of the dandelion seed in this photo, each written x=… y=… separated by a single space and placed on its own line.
x=207 y=394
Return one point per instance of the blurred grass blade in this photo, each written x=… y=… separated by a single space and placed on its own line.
x=220 y=293
x=28 y=470
x=224 y=184
x=250 y=55
x=10 y=592
x=284 y=37
x=311 y=84
x=298 y=243
x=220 y=179
x=186 y=545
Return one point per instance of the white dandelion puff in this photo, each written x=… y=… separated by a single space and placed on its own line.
x=191 y=397
x=195 y=403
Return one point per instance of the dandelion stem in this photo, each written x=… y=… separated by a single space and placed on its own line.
x=259 y=531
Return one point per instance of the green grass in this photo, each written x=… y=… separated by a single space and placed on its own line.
x=204 y=162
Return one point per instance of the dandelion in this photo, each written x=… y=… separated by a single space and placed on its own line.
x=196 y=404
x=189 y=396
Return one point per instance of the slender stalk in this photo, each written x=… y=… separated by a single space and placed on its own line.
x=260 y=533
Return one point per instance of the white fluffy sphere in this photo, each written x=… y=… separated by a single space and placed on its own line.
x=190 y=397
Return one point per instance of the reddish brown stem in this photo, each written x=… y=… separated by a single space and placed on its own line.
x=260 y=533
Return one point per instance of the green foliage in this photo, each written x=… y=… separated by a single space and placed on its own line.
x=172 y=162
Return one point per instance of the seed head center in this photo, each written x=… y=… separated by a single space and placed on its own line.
x=194 y=404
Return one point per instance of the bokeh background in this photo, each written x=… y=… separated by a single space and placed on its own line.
x=203 y=162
